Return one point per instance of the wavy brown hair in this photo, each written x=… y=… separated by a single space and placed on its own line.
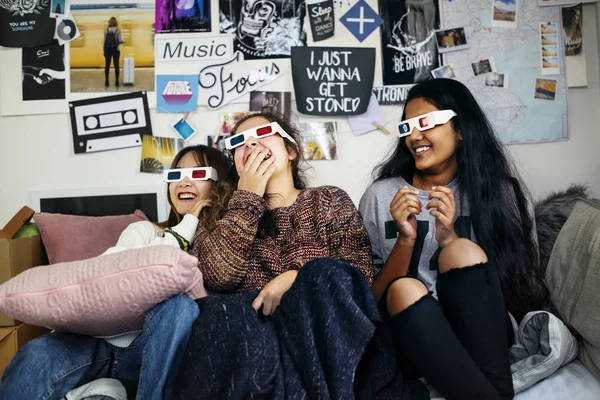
x=206 y=156
x=267 y=224
x=112 y=21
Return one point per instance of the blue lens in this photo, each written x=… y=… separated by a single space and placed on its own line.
x=235 y=140
x=404 y=128
x=174 y=175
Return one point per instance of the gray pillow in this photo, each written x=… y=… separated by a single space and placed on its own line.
x=573 y=278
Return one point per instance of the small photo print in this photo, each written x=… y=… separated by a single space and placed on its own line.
x=549 y=40
x=158 y=153
x=228 y=121
x=183 y=128
x=572 y=24
x=443 y=72
x=549 y=51
x=281 y=102
x=319 y=139
x=57 y=8
x=483 y=67
x=451 y=40
x=548 y=29
x=504 y=13
x=545 y=89
x=550 y=62
x=496 y=80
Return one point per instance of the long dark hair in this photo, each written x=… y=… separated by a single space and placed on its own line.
x=499 y=201
x=267 y=224
x=222 y=190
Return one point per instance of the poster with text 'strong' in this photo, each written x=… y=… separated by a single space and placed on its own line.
x=408 y=43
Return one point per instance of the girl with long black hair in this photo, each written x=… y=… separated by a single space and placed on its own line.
x=453 y=236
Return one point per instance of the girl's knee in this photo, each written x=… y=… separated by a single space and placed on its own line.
x=459 y=254
x=403 y=293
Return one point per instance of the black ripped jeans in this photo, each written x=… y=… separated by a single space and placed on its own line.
x=459 y=343
x=115 y=56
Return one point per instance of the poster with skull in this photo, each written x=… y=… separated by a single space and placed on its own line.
x=25 y=23
x=408 y=42
x=264 y=28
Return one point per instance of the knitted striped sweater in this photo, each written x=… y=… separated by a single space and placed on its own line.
x=322 y=222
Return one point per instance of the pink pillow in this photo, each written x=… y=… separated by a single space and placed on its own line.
x=73 y=237
x=101 y=296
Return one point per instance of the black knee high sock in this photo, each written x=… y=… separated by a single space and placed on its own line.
x=473 y=303
x=426 y=338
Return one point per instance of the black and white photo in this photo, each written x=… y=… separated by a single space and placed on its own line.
x=483 y=67
x=444 y=72
x=43 y=72
x=496 y=80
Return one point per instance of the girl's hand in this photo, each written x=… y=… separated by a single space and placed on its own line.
x=195 y=211
x=444 y=213
x=257 y=171
x=403 y=208
x=270 y=296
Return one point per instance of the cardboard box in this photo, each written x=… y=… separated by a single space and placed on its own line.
x=13 y=338
x=17 y=255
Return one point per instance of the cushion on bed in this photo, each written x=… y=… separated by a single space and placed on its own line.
x=101 y=296
x=75 y=237
x=573 y=279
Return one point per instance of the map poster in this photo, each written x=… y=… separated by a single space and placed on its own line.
x=408 y=40
x=517 y=116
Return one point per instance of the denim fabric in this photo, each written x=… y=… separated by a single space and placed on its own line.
x=310 y=348
x=50 y=366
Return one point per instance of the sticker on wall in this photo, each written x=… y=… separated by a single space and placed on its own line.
x=158 y=153
x=408 y=44
x=320 y=16
x=320 y=140
x=58 y=8
x=264 y=29
x=391 y=95
x=225 y=82
x=43 y=72
x=66 y=29
x=280 y=102
x=192 y=48
x=111 y=122
x=333 y=80
x=176 y=93
x=361 y=20
x=25 y=23
x=179 y=16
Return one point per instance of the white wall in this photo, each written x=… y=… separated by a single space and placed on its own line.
x=37 y=151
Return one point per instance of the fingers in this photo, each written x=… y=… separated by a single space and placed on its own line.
x=442 y=218
x=259 y=158
x=258 y=301
x=253 y=155
x=266 y=165
x=443 y=194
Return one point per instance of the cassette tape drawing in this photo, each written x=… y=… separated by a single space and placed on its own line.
x=108 y=123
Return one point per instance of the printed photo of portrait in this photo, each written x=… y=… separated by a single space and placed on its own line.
x=496 y=80
x=483 y=67
x=451 y=40
x=572 y=29
x=443 y=72
x=179 y=16
x=545 y=89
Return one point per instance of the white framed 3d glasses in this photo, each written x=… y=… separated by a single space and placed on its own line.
x=194 y=174
x=425 y=121
x=259 y=132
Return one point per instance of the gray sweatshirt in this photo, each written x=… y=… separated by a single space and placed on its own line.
x=374 y=208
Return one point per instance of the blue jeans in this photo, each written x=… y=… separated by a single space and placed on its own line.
x=52 y=365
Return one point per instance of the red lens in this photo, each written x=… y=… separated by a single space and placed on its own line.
x=198 y=174
x=265 y=130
